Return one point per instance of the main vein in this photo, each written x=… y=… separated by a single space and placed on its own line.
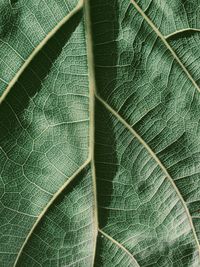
x=92 y=86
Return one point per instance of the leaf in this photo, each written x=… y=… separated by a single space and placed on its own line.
x=100 y=144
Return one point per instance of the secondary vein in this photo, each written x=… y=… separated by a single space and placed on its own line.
x=38 y=48
x=154 y=156
x=181 y=31
x=41 y=215
x=120 y=246
x=161 y=36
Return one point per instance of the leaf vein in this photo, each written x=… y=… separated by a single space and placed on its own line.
x=155 y=157
x=41 y=215
x=119 y=245
x=163 y=39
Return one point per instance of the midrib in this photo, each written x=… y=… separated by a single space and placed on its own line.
x=92 y=88
x=93 y=93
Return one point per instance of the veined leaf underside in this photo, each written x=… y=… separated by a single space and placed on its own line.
x=100 y=136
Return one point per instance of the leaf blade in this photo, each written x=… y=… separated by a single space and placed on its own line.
x=139 y=131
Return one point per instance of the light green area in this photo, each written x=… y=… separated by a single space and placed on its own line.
x=146 y=134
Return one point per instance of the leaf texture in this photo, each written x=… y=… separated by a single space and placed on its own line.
x=100 y=146
x=23 y=27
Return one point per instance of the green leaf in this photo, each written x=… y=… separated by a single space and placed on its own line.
x=100 y=136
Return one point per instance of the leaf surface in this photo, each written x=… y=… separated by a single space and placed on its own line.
x=100 y=144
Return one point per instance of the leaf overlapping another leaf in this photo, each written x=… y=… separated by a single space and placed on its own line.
x=100 y=134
